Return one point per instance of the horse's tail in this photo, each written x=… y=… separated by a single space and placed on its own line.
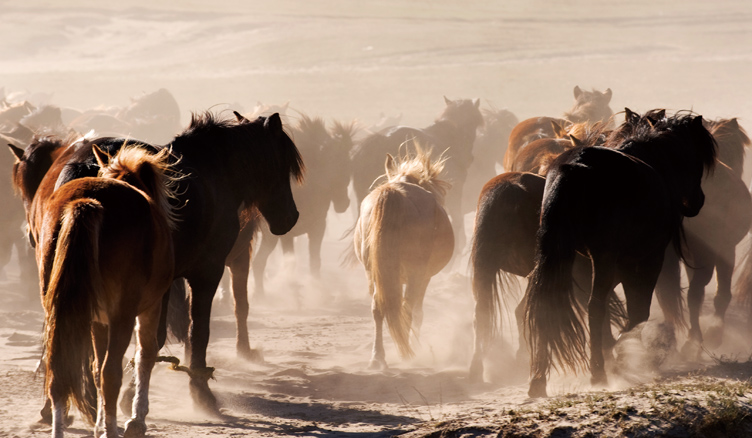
x=554 y=318
x=384 y=265
x=71 y=302
x=178 y=311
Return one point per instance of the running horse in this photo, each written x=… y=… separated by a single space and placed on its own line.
x=105 y=260
x=454 y=132
x=621 y=205
x=403 y=237
x=229 y=165
x=589 y=106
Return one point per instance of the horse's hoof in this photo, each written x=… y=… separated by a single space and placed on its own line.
x=691 y=350
x=599 y=381
x=134 y=429
x=377 y=365
x=537 y=389
x=203 y=399
x=252 y=355
x=126 y=401
x=714 y=335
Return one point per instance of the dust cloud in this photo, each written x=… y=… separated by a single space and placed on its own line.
x=377 y=63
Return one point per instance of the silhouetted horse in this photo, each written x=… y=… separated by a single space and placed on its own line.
x=230 y=165
x=620 y=205
x=327 y=156
x=490 y=146
x=711 y=238
x=454 y=132
x=589 y=106
x=403 y=237
x=105 y=258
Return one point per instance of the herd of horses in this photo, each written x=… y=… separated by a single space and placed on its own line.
x=120 y=226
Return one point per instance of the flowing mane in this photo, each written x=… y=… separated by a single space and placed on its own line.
x=418 y=169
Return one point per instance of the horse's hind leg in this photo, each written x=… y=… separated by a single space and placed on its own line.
x=239 y=273
x=146 y=355
x=415 y=292
x=378 y=356
x=700 y=274
x=603 y=283
x=724 y=270
x=99 y=334
x=121 y=328
x=315 y=237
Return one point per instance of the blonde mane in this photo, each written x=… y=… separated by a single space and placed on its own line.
x=127 y=165
x=418 y=168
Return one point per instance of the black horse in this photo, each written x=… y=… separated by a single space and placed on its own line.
x=620 y=205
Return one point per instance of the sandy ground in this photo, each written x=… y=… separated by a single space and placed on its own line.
x=362 y=60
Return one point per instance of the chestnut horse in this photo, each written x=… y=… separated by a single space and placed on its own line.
x=403 y=237
x=621 y=205
x=454 y=132
x=105 y=260
x=230 y=165
x=589 y=106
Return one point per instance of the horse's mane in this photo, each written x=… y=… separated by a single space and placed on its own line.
x=344 y=130
x=732 y=141
x=210 y=124
x=149 y=172
x=589 y=134
x=419 y=169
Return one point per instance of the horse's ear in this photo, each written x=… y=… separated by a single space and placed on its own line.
x=102 y=158
x=16 y=151
x=447 y=101
x=630 y=116
x=559 y=132
x=239 y=117
x=576 y=142
x=389 y=164
x=577 y=92
x=697 y=123
x=661 y=114
x=273 y=123
x=476 y=102
x=607 y=95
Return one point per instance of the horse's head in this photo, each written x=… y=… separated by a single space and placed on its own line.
x=32 y=164
x=338 y=157
x=465 y=116
x=591 y=106
x=276 y=161
x=699 y=155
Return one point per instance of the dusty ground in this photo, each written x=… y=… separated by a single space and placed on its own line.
x=359 y=60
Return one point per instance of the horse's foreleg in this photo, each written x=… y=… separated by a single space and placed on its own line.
x=203 y=288
x=239 y=274
x=146 y=355
x=268 y=242
x=120 y=330
x=699 y=277
x=315 y=237
x=724 y=271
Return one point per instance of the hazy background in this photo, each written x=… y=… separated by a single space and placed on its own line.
x=348 y=59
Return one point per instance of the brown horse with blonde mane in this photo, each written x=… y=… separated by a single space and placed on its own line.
x=105 y=258
x=403 y=237
x=589 y=106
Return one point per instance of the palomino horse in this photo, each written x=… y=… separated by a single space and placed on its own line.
x=589 y=106
x=453 y=132
x=620 y=205
x=327 y=156
x=229 y=165
x=711 y=238
x=403 y=237
x=105 y=260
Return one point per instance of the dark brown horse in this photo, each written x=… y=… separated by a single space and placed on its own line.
x=454 y=132
x=589 y=106
x=621 y=205
x=327 y=156
x=711 y=239
x=230 y=165
x=105 y=258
